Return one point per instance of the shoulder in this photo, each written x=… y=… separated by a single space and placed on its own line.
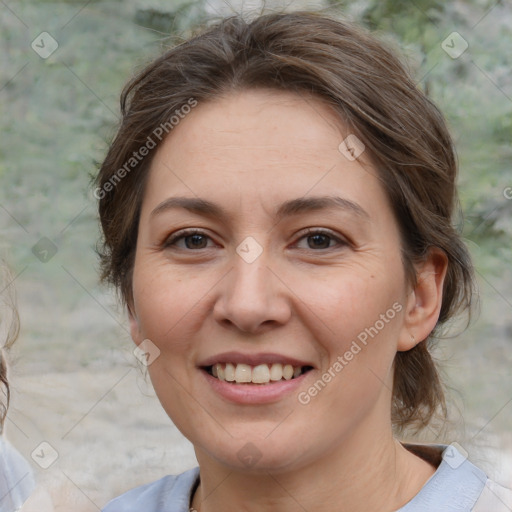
x=16 y=478
x=169 y=494
x=456 y=485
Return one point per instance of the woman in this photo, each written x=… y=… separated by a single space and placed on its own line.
x=18 y=488
x=16 y=477
x=276 y=210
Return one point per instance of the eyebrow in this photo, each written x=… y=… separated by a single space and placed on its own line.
x=288 y=208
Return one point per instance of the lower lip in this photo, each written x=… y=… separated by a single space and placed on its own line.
x=254 y=393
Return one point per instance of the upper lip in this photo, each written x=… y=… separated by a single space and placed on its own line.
x=252 y=359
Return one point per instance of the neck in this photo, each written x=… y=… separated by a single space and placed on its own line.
x=356 y=476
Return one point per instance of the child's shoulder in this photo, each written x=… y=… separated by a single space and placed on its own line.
x=16 y=477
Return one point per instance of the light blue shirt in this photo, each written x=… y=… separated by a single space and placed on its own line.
x=16 y=478
x=457 y=486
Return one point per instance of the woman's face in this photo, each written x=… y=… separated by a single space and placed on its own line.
x=262 y=243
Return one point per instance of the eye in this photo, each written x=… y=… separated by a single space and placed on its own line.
x=188 y=239
x=194 y=239
x=320 y=239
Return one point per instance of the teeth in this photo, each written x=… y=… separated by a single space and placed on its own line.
x=218 y=371
x=243 y=373
x=260 y=374
x=229 y=372
x=288 y=371
x=276 y=371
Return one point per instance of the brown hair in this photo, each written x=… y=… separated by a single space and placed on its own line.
x=376 y=99
x=9 y=332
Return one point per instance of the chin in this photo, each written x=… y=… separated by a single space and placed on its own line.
x=254 y=455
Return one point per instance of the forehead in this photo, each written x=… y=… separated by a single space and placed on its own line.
x=265 y=123
x=261 y=145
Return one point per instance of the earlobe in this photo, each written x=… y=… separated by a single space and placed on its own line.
x=134 y=326
x=424 y=301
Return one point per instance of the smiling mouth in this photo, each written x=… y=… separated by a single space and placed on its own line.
x=259 y=374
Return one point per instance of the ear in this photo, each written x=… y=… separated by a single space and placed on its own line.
x=424 y=300
x=135 y=331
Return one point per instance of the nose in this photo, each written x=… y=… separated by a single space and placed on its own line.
x=252 y=298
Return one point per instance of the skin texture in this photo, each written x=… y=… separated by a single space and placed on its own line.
x=304 y=296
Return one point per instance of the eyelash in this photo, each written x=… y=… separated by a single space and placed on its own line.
x=171 y=241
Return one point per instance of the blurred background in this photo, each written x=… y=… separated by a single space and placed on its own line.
x=76 y=384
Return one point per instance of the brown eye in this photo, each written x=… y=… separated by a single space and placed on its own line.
x=188 y=240
x=320 y=240
x=195 y=241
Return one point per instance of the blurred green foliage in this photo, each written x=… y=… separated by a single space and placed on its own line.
x=475 y=94
x=59 y=113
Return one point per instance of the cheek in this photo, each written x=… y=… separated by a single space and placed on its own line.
x=360 y=320
x=351 y=304
x=167 y=302
x=167 y=306
x=358 y=334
